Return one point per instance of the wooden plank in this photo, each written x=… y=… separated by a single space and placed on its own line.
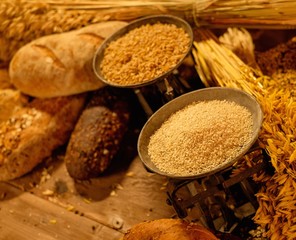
x=124 y=195
x=26 y=216
x=127 y=194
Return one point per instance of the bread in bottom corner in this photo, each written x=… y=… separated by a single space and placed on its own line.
x=168 y=229
x=34 y=131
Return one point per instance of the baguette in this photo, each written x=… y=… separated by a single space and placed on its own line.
x=33 y=132
x=97 y=134
x=60 y=64
x=168 y=229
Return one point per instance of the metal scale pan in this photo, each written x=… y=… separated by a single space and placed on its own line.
x=159 y=80
x=212 y=93
x=166 y=19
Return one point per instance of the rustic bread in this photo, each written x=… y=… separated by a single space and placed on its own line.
x=60 y=64
x=33 y=132
x=97 y=134
x=168 y=229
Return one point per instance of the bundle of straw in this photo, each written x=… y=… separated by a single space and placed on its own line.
x=22 y=21
x=277 y=200
x=274 y=13
x=247 y=13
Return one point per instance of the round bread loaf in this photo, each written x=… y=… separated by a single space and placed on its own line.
x=97 y=134
x=60 y=64
x=168 y=229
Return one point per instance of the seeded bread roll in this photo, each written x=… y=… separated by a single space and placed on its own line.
x=168 y=229
x=33 y=132
x=98 y=133
x=60 y=64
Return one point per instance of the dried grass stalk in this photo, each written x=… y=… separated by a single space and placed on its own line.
x=274 y=13
x=240 y=41
x=247 y=13
x=22 y=21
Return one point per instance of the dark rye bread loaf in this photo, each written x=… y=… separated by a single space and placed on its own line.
x=98 y=133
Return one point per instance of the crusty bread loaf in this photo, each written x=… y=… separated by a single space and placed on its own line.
x=97 y=134
x=33 y=132
x=168 y=229
x=60 y=64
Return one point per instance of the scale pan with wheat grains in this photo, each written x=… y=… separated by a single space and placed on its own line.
x=206 y=94
x=164 y=19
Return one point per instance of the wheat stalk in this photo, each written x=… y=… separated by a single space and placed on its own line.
x=219 y=66
x=22 y=21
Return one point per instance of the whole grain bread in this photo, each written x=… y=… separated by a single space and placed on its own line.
x=60 y=64
x=34 y=131
x=98 y=133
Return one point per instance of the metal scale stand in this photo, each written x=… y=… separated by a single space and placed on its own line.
x=207 y=194
x=218 y=198
x=166 y=89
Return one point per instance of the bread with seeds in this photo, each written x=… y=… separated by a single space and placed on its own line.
x=34 y=131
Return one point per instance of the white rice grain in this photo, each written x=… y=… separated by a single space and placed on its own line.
x=200 y=137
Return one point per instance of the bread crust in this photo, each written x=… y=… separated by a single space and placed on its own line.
x=60 y=64
x=97 y=135
x=168 y=229
x=33 y=132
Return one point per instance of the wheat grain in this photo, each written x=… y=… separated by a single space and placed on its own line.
x=144 y=53
x=276 y=212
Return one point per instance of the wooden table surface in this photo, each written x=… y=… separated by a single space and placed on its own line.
x=48 y=204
